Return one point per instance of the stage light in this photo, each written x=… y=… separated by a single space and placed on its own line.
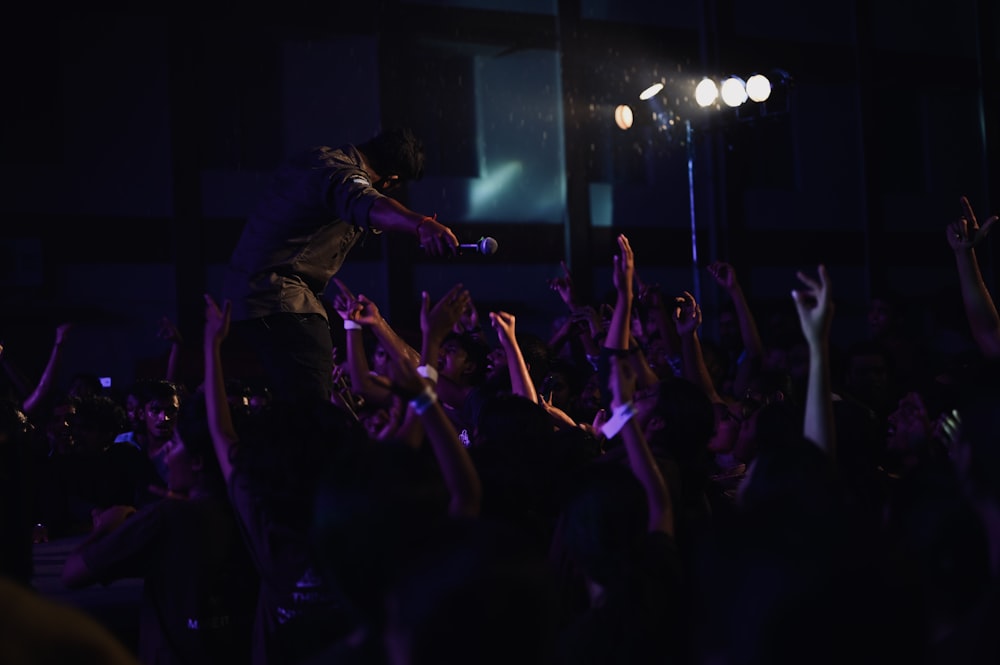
x=758 y=88
x=734 y=91
x=623 y=116
x=706 y=92
x=651 y=91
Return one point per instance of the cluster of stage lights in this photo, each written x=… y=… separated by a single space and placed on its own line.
x=733 y=91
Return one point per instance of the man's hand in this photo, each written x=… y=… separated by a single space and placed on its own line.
x=436 y=238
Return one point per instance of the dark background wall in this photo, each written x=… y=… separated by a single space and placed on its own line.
x=132 y=145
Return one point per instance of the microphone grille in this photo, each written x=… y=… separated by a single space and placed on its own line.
x=488 y=245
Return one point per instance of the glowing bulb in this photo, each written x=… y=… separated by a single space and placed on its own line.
x=758 y=88
x=623 y=116
x=734 y=91
x=651 y=91
x=706 y=92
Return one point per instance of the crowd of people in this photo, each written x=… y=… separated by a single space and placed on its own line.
x=629 y=490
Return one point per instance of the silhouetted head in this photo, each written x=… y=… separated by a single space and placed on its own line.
x=395 y=152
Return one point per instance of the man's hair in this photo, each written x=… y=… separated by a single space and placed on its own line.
x=476 y=349
x=395 y=152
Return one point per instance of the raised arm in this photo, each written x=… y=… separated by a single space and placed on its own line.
x=435 y=323
x=34 y=402
x=220 y=419
x=687 y=320
x=815 y=307
x=644 y=467
x=753 y=347
x=352 y=312
x=367 y=313
x=964 y=235
x=169 y=332
x=520 y=379
x=660 y=317
x=583 y=319
x=623 y=273
x=459 y=473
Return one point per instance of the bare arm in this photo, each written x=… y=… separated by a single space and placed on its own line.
x=815 y=307
x=980 y=310
x=362 y=381
x=388 y=214
x=687 y=320
x=169 y=332
x=459 y=473
x=623 y=274
x=753 y=347
x=46 y=384
x=520 y=379
x=641 y=460
x=435 y=323
x=366 y=312
x=220 y=419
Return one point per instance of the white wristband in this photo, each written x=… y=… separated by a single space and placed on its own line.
x=424 y=400
x=428 y=372
x=621 y=415
x=351 y=325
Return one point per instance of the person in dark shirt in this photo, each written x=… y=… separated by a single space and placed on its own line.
x=319 y=204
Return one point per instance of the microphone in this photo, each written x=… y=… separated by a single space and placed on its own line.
x=485 y=246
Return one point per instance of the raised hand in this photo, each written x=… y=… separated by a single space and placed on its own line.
x=62 y=332
x=216 y=319
x=169 y=331
x=469 y=321
x=503 y=324
x=724 y=274
x=564 y=287
x=345 y=303
x=623 y=271
x=436 y=321
x=687 y=314
x=815 y=306
x=649 y=295
x=561 y=418
x=965 y=232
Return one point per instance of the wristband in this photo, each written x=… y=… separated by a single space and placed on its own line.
x=424 y=400
x=428 y=372
x=620 y=415
x=351 y=325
